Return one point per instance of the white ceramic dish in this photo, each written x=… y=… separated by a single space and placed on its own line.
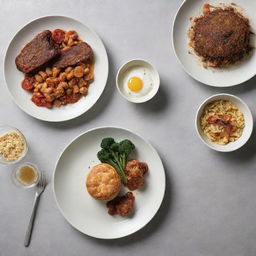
x=90 y=216
x=4 y=129
x=247 y=129
x=137 y=63
x=14 y=77
x=230 y=76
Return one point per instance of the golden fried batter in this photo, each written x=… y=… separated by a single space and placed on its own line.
x=135 y=172
x=121 y=205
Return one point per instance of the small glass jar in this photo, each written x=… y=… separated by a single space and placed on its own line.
x=4 y=130
x=26 y=175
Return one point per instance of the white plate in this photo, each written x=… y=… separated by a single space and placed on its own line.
x=233 y=75
x=14 y=77
x=90 y=216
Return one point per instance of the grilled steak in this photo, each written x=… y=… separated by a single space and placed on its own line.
x=37 y=52
x=81 y=52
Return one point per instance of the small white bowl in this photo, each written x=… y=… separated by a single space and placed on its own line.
x=242 y=106
x=120 y=83
x=4 y=129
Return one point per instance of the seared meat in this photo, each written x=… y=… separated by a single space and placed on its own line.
x=37 y=52
x=81 y=52
x=121 y=205
x=135 y=172
x=221 y=36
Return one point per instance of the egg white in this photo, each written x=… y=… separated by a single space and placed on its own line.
x=146 y=77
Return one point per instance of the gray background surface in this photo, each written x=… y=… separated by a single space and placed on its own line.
x=209 y=207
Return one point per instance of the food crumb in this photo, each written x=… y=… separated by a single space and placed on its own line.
x=12 y=146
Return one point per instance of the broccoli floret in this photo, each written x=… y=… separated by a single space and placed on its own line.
x=104 y=155
x=115 y=147
x=126 y=147
x=116 y=154
x=107 y=142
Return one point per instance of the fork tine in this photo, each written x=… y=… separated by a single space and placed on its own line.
x=43 y=180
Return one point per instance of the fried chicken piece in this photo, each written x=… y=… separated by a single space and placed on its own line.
x=121 y=205
x=135 y=172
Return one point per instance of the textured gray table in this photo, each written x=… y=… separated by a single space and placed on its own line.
x=209 y=207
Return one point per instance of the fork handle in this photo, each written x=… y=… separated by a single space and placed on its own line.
x=31 y=221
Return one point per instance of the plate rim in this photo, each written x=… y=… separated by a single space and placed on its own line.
x=4 y=67
x=183 y=67
x=69 y=144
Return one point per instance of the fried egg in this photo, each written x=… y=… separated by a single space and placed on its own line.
x=138 y=81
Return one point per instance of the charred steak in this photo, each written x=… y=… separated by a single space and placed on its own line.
x=37 y=52
x=81 y=52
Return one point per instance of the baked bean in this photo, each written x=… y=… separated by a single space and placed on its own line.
x=72 y=34
x=70 y=42
x=68 y=69
x=63 y=85
x=59 y=92
x=48 y=90
x=57 y=103
x=43 y=75
x=51 y=81
x=73 y=82
x=49 y=98
x=70 y=75
x=82 y=82
x=44 y=85
x=62 y=76
x=76 y=89
x=78 y=71
x=69 y=91
x=38 y=78
x=86 y=71
x=48 y=71
x=83 y=90
x=55 y=72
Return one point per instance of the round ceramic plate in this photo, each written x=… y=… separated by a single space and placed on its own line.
x=90 y=216
x=14 y=77
x=233 y=75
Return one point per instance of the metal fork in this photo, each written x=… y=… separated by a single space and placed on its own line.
x=40 y=189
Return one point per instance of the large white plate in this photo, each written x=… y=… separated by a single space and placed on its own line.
x=90 y=216
x=233 y=75
x=14 y=77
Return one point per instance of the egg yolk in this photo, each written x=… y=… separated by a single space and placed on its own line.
x=135 y=84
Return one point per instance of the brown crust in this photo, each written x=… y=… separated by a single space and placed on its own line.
x=103 y=183
x=121 y=205
x=220 y=36
x=135 y=172
x=37 y=52
x=81 y=52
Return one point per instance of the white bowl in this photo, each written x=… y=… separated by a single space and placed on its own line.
x=141 y=63
x=4 y=129
x=229 y=76
x=247 y=118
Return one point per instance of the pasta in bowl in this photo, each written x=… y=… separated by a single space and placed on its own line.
x=224 y=122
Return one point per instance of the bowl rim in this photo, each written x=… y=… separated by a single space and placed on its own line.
x=147 y=97
x=223 y=148
x=12 y=128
